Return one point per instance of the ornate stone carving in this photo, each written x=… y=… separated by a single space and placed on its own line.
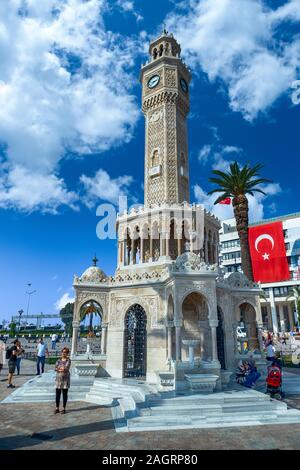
x=156 y=116
x=192 y=262
x=238 y=280
x=170 y=78
x=91 y=295
x=120 y=305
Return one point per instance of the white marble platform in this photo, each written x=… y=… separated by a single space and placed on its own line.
x=139 y=406
x=42 y=389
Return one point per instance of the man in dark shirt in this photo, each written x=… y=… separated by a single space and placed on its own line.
x=12 y=361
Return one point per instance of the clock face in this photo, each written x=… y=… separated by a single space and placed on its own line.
x=153 y=81
x=183 y=85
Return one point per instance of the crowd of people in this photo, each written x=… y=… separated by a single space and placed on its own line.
x=247 y=374
x=280 y=339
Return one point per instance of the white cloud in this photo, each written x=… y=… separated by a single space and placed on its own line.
x=222 y=211
x=204 y=154
x=290 y=11
x=231 y=149
x=215 y=152
x=64 y=85
x=63 y=300
x=128 y=6
x=103 y=187
x=238 y=41
x=28 y=191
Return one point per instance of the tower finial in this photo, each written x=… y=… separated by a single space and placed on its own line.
x=95 y=260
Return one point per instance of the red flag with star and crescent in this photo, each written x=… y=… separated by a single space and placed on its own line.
x=268 y=254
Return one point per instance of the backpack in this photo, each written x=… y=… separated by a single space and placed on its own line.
x=274 y=376
x=8 y=353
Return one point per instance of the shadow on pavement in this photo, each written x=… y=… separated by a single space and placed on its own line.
x=54 y=435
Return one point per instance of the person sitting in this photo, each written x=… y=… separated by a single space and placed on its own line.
x=247 y=374
x=253 y=375
x=241 y=373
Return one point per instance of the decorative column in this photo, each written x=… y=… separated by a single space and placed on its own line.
x=281 y=316
x=206 y=251
x=123 y=247
x=169 y=335
x=291 y=316
x=120 y=249
x=192 y=241
x=103 y=339
x=151 y=248
x=178 y=245
x=75 y=325
x=131 y=252
x=178 y=326
x=167 y=245
x=142 y=249
x=213 y=327
x=273 y=310
x=161 y=244
x=259 y=336
x=124 y=243
x=217 y=253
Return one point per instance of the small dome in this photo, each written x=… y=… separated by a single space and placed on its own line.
x=93 y=274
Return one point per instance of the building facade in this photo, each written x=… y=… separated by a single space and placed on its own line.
x=278 y=304
x=168 y=309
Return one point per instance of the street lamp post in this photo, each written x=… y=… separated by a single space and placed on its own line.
x=29 y=295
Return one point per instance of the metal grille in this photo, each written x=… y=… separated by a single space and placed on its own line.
x=135 y=342
x=220 y=341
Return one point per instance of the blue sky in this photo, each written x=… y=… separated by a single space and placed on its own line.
x=72 y=133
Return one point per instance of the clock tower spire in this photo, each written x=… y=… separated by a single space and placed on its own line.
x=165 y=96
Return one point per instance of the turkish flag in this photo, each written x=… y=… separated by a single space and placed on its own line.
x=268 y=255
x=226 y=201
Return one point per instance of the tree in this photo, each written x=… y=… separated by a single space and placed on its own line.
x=66 y=315
x=12 y=327
x=236 y=183
x=90 y=309
x=294 y=292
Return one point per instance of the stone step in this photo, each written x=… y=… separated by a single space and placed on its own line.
x=118 y=390
x=152 y=423
x=201 y=410
x=115 y=394
x=200 y=399
x=192 y=421
x=111 y=385
x=95 y=398
x=45 y=397
x=81 y=388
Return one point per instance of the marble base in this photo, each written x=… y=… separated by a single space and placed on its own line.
x=225 y=377
x=202 y=383
x=165 y=379
x=86 y=370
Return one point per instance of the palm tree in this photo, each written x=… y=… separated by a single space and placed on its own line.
x=236 y=183
x=294 y=292
x=90 y=310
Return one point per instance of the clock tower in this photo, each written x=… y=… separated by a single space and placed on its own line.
x=165 y=96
